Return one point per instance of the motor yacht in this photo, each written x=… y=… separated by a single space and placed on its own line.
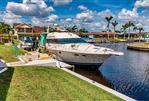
x=72 y=49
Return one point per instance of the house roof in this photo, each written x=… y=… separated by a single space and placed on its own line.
x=22 y=26
x=37 y=29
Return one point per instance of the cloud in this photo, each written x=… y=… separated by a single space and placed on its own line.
x=47 y=21
x=61 y=2
x=142 y=3
x=68 y=19
x=11 y=18
x=105 y=13
x=52 y=18
x=125 y=14
x=30 y=8
x=82 y=7
x=85 y=16
x=41 y=3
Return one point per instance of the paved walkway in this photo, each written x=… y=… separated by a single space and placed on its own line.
x=45 y=62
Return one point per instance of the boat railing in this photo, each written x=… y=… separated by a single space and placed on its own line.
x=88 y=47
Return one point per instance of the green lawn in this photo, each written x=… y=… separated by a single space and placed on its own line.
x=7 y=53
x=47 y=84
x=145 y=45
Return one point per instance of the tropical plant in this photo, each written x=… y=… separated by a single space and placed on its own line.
x=140 y=29
x=124 y=29
x=50 y=29
x=5 y=28
x=83 y=30
x=72 y=29
x=130 y=24
x=108 y=19
x=135 y=28
x=114 y=24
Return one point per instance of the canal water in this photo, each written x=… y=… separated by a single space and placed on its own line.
x=1 y=66
x=128 y=74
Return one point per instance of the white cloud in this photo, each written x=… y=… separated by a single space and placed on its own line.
x=85 y=16
x=82 y=7
x=61 y=2
x=41 y=3
x=50 y=20
x=106 y=13
x=128 y=14
x=68 y=19
x=142 y=3
x=38 y=9
x=11 y=18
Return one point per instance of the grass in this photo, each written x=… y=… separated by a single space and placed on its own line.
x=7 y=53
x=145 y=45
x=36 y=83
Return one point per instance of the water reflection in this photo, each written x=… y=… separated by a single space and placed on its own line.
x=1 y=65
x=128 y=74
x=94 y=75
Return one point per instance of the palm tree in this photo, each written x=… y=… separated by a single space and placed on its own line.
x=130 y=24
x=140 y=32
x=72 y=29
x=5 y=28
x=108 y=19
x=135 y=28
x=124 y=28
x=114 y=24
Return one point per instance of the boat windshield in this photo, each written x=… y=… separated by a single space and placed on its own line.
x=66 y=40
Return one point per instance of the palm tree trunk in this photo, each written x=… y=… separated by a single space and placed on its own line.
x=115 y=32
x=108 y=29
x=128 y=33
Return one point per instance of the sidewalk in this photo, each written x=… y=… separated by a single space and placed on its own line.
x=45 y=62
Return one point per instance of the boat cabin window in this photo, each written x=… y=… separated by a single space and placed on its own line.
x=66 y=40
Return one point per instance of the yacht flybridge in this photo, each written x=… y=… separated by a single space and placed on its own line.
x=70 y=48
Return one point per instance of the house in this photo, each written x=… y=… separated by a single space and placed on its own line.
x=22 y=28
x=38 y=30
x=28 y=29
x=102 y=34
x=27 y=33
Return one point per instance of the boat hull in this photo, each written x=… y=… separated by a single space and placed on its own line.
x=80 y=59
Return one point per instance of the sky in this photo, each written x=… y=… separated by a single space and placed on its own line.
x=89 y=14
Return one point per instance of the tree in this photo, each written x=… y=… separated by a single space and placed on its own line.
x=124 y=29
x=50 y=29
x=114 y=24
x=135 y=28
x=83 y=30
x=72 y=29
x=130 y=24
x=108 y=19
x=5 y=28
x=140 y=32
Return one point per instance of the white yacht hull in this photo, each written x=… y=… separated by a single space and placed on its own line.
x=70 y=48
x=80 y=59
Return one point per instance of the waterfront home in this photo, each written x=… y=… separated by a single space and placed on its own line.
x=28 y=34
x=102 y=34
x=22 y=28
x=28 y=29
